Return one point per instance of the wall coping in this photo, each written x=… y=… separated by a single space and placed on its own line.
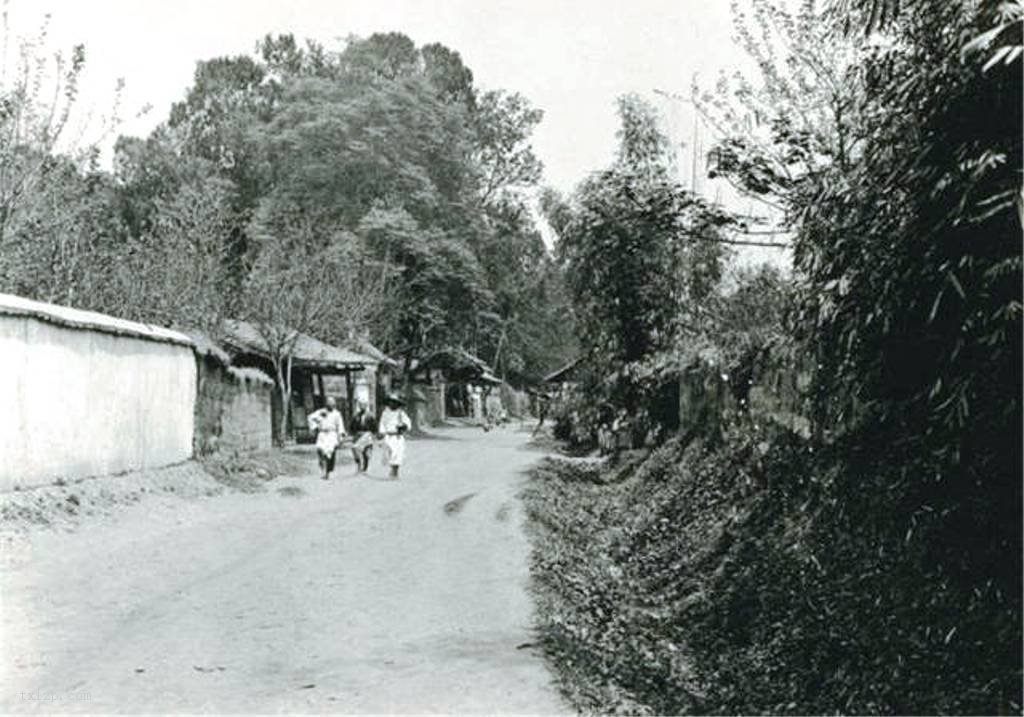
x=11 y=305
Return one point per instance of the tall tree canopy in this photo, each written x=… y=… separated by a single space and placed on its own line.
x=410 y=171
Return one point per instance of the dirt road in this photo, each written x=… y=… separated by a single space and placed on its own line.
x=358 y=595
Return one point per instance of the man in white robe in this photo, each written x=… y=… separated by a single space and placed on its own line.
x=392 y=426
x=329 y=427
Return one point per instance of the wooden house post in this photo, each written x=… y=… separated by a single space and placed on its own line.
x=349 y=391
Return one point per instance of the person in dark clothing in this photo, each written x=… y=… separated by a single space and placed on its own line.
x=543 y=404
x=363 y=428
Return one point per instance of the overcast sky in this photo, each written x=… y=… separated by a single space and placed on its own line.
x=571 y=58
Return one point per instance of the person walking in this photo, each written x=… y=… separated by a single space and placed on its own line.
x=543 y=404
x=393 y=425
x=329 y=427
x=363 y=427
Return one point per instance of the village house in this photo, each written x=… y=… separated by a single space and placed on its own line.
x=319 y=370
x=453 y=383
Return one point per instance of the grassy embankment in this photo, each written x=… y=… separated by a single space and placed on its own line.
x=756 y=577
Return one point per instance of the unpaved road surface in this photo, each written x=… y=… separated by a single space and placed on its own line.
x=358 y=595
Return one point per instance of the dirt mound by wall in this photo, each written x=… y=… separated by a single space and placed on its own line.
x=65 y=504
x=248 y=472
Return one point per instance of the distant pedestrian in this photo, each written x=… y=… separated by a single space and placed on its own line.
x=543 y=404
x=393 y=425
x=329 y=427
x=363 y=427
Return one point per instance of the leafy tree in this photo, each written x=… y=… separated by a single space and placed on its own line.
x=342 y=151
x=524 y=337
x=906 y=221
x=640 y=253
x=503 y=124
x=380 y=58
x=284 y=57
x=307 y=279
x=914 y=255
x=445 y=70
x=181 y=226
x=54 y=249
x=391 y=147
x=182 y=262
x=385 y=162
x=801 y=114
x=442 y=284
x=33 y=121
x=226 y=93
x=52 y=198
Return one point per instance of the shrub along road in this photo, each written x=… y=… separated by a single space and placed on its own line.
x=354 y=595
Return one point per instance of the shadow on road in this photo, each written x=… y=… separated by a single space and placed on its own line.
x=454 y=506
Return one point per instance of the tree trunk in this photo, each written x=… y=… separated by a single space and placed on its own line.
x=284 y=383
x=349 y=397
x=288 y=391
x=497 y=353
x=410 y=397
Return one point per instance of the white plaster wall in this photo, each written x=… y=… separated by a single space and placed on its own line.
x=78 y=402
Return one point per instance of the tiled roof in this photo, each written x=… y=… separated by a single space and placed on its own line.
x=365 y=347
x=564 y=373
x=308 y=350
